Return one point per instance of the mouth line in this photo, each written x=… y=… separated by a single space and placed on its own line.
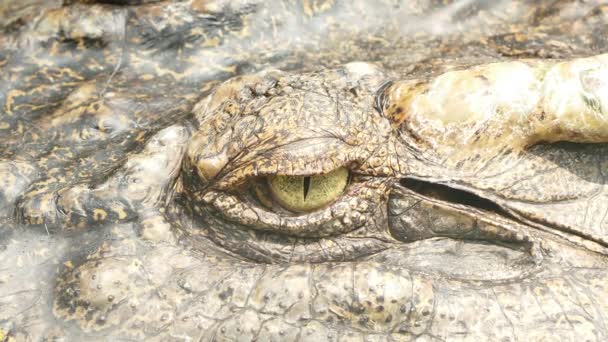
x=484 y=219
x=452 y=195
x=458 y=196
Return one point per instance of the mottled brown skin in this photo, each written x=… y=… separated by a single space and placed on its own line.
x=134 y=134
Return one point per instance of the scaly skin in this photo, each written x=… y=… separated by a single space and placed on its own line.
x=137 y=140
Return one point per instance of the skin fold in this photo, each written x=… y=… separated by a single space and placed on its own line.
x=140 y=141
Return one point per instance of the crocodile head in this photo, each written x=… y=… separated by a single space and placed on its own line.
x=339 y=202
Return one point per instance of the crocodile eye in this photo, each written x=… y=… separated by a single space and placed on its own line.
x=307 y=193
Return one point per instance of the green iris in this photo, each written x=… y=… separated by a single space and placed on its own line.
x=307 y=193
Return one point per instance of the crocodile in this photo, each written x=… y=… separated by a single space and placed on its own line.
x=303 y=170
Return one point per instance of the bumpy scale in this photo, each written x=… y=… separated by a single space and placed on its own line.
x=157 y=158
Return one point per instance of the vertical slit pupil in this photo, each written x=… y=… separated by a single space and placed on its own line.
x=306 y=186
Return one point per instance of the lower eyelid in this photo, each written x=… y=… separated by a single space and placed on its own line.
x=273 y=248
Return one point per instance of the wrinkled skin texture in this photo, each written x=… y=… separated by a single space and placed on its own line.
x=134 y=135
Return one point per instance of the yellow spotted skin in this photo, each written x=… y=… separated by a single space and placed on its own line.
x=303 y=170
